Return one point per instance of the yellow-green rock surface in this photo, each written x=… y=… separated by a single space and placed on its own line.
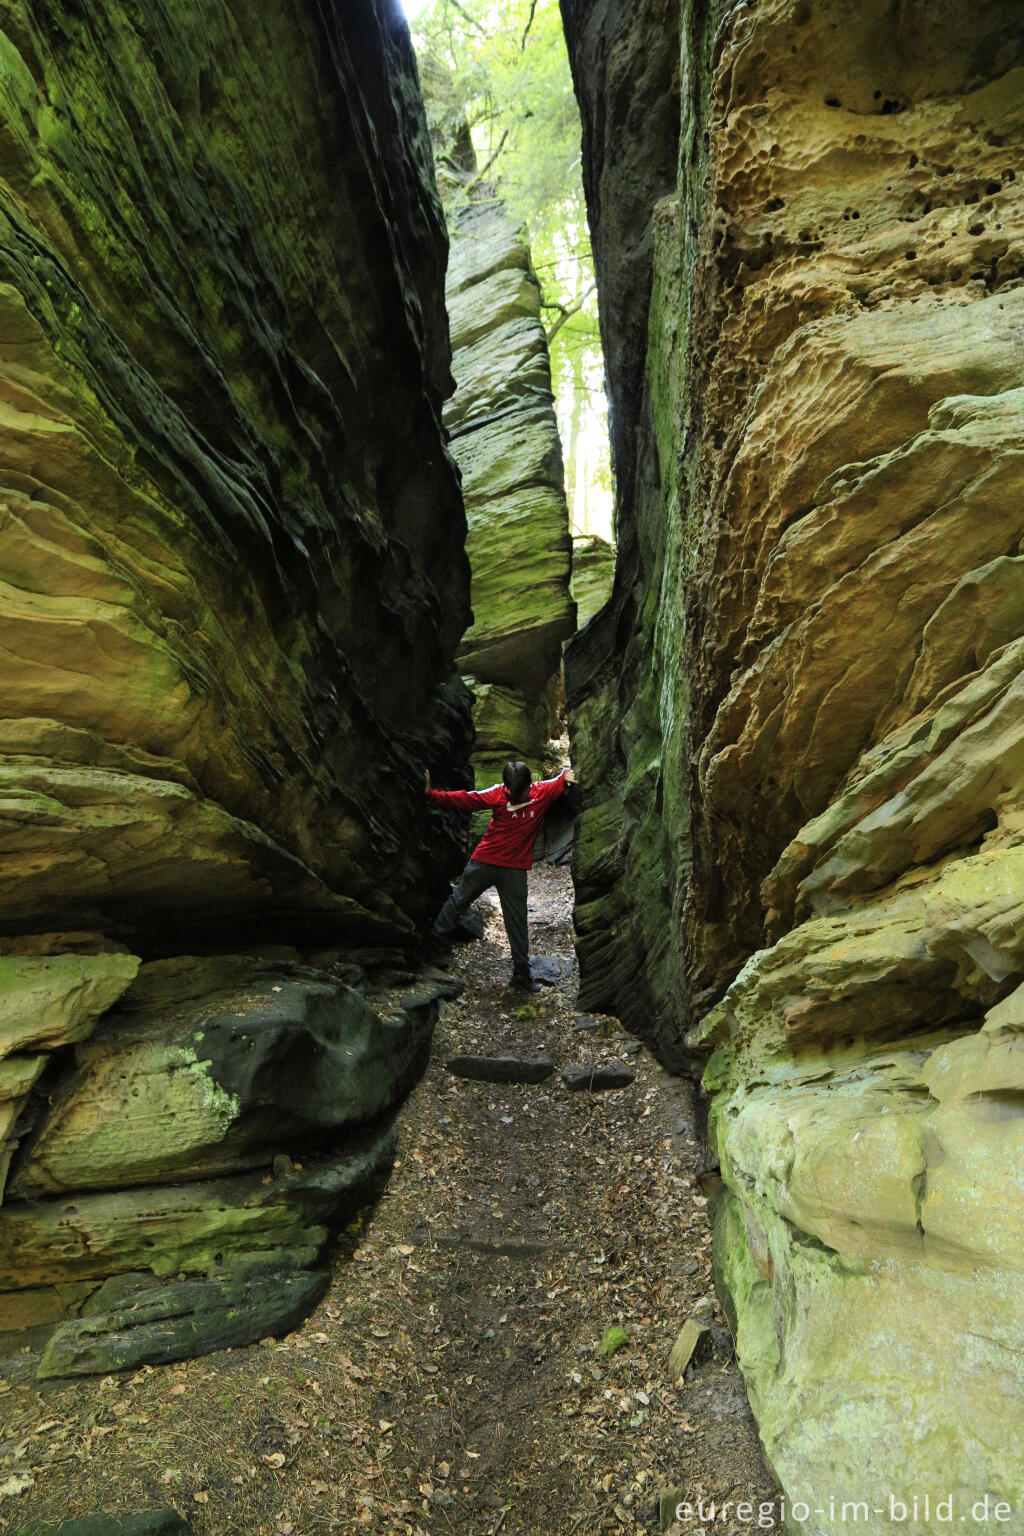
x=47 y=1001
x=52 y=1000
x=221 y=261
x=798 y=722
x=171 y=1087
x=504 y=438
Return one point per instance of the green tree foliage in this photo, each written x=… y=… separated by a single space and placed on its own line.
x=504 y=120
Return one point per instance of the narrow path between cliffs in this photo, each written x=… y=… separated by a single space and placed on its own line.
x=450 y=1381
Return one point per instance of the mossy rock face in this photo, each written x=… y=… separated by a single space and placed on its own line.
x=170 y=1091
x=218 y=1126
x=509 y=726
x=47 y=1002
x=212 y=1227
x=221 y=281
x=593 y=571
x=234 y=582
x=200 y=1265
x=506 y=444
x=798 y=721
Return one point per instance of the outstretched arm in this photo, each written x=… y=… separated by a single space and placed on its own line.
x=550 y=789
x=464 y=799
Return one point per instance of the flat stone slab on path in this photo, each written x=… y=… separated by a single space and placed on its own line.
x=499 y=1247
x=159 y=1522
x=501 y=1069
x=595 y=1078
x=585 y=1024
x=549 y=970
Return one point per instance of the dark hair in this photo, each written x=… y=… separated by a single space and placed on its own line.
x=517 y=779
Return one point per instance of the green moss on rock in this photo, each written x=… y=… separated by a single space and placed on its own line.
x=221 y=264
x=505 y=442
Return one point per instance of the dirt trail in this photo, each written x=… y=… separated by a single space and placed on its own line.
x=450 y=1381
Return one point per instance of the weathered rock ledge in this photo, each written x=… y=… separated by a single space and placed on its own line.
x=188 y=1167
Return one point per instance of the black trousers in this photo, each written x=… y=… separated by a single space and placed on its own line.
x=511 y=887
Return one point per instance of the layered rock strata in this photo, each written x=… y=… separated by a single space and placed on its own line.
x=221 y=287
x=214 y=1129
x=504 y=437
x=798 y=718
x=232 y=583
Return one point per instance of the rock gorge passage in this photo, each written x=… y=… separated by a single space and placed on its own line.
x=234 y=593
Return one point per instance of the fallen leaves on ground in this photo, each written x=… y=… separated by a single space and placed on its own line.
x=450 y=1380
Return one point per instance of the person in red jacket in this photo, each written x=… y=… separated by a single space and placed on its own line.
x=503 y=855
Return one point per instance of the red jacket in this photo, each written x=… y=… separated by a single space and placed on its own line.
x=513 y=830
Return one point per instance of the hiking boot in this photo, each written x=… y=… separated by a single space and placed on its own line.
x=522 y=981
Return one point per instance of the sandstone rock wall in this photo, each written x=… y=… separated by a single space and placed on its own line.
x=797 y=722
x=232 y=584
x=220 y=277
x=506 y=443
